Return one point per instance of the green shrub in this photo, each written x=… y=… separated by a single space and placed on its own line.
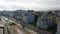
x=12 y=23
x=0 y=19
x=33 y=23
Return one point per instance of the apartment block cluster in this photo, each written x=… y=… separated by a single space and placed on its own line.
x=42 y=19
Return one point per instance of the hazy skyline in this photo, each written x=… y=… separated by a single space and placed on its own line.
x=29 y=4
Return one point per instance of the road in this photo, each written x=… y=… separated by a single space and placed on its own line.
x=15 y=29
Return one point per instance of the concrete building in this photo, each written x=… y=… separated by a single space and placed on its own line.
x=19 y=14
x=28 y=19
x=57 y=13
x=44 y=22
x=8 y=13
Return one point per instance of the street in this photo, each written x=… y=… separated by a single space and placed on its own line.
x=15 y=29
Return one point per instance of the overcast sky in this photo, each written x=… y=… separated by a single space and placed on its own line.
x=29 y=4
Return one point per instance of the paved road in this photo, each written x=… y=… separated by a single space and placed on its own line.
x=15 y=29
x=19 y=31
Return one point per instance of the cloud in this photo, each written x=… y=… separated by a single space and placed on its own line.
x=29 y=4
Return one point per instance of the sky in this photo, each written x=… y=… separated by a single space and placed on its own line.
x=30 y=5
